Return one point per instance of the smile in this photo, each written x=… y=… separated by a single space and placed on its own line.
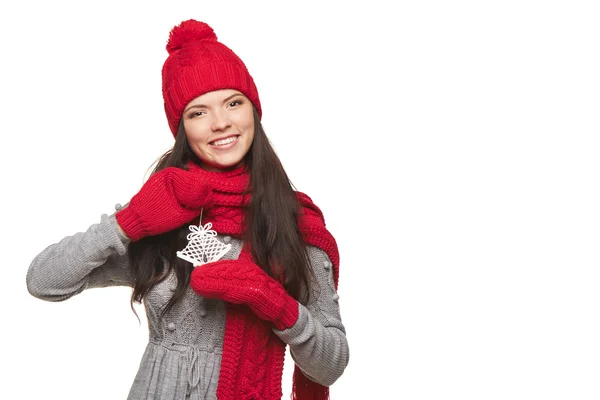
x=225 y=141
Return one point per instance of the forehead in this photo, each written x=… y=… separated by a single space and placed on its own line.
x=215 y=97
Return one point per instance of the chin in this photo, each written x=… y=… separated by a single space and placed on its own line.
x=224 y=166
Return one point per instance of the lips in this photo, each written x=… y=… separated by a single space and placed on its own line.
x=224 y=141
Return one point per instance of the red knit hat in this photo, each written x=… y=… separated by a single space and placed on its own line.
x=198 y=63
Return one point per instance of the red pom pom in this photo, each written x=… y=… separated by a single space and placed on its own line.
x=187 y=31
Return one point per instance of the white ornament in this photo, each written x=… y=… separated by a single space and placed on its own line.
x=203 y=246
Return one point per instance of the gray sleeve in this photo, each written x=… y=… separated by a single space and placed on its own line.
x=94 y=258
x=317 y=340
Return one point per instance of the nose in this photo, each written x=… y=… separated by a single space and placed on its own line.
x=220 y=121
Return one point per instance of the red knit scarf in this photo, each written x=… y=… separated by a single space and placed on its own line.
x=253 y=355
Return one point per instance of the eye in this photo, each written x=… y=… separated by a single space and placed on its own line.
x=195 y=114
x=235 y=103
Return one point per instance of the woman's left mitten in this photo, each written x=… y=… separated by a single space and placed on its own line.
x=243 y=282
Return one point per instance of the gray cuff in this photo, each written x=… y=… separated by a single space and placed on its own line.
x=296 y=334
x=121 y=239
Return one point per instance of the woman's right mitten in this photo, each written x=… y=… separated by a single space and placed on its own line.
x=168 y=199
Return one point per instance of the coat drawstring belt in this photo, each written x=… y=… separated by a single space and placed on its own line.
x=194 y=369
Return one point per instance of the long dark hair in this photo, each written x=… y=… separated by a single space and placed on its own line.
x=270 y=226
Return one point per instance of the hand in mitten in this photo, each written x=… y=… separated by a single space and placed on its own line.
x=170 y=198
x=243 y=282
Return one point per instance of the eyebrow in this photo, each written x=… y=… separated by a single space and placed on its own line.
x=204 y=106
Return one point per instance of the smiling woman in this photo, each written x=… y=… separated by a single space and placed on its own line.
x=259 y=272
x=219 y=127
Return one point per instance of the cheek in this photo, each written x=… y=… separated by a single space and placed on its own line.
x=250 y=127
x=246 y=122
x=194 y=132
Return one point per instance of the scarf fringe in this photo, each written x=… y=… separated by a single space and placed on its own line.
x=305 y=389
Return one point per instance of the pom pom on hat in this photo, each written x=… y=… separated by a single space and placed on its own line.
x=198 y=63
x=188 y=31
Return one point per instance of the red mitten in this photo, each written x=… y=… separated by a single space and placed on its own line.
x=170 y=198
x=243 y=282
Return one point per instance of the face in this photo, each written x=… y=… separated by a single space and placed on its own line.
x=219 y=127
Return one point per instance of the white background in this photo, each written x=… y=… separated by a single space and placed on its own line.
x=453 y=147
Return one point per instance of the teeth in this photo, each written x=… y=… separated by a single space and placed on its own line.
x=223 y=142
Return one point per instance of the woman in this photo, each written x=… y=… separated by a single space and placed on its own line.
x=257 y=272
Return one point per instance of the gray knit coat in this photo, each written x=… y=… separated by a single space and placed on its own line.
x=183 y=356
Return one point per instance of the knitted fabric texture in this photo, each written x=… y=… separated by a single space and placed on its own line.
x=253 y=355
x=198 y=63
x=243 y=282
x=169 y=199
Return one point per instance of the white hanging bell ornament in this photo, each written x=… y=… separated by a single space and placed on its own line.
x=203 y=246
